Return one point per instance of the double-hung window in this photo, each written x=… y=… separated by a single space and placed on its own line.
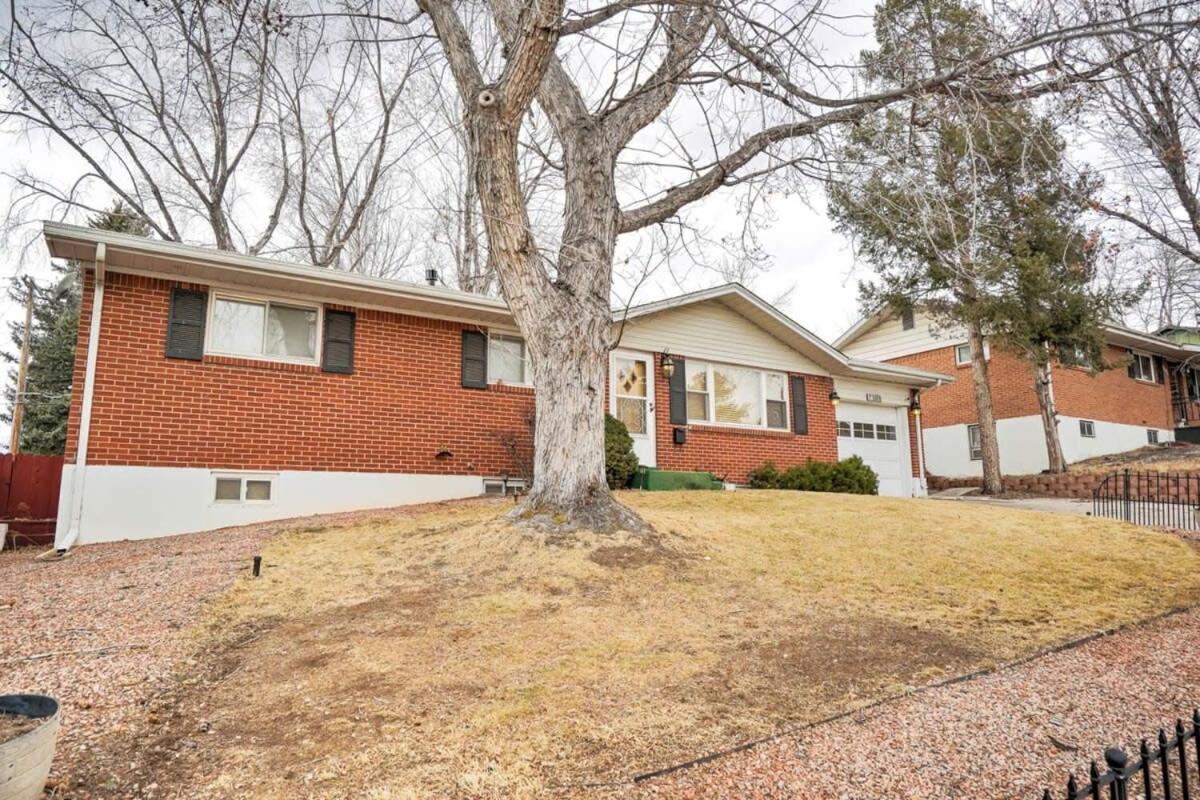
x=962 y=353
x=506 y=361
x=975 y=442
x=729 y=395
x=267 y=329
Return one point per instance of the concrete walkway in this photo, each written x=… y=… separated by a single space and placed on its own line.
x=1055 y=505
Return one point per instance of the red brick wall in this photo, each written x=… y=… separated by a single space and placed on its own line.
x=731 y=453
x=403 y=404
x=1110 y=395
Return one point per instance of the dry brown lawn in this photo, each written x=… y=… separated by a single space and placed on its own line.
x=449 y=654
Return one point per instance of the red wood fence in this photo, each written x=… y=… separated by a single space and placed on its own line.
x=29 y=497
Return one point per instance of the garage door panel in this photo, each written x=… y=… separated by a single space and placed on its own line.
x=874 y=434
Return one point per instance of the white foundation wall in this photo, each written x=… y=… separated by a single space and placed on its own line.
x=146 y=502
x=1023 y=446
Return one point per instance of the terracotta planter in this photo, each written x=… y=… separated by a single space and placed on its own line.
x=25 y=760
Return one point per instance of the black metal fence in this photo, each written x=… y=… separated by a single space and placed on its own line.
x=1165 y=770
x=1158 y=499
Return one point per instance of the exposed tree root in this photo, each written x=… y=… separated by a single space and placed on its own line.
x=600 y=513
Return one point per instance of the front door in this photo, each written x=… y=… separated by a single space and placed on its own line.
x=631 y=378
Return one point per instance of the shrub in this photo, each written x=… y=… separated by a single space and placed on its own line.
x=852 y=476
x=620 y=462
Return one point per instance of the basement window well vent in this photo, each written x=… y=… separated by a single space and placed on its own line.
x=242 y=489
x=503 y=486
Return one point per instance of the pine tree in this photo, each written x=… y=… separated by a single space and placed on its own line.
x=52 y=344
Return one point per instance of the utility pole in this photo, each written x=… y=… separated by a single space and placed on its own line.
x=19 y=401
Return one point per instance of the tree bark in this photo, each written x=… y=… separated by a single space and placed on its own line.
x=992 y=482
x=1044 y=388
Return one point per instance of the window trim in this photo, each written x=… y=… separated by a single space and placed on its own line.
x=217 y=295
x=525 y=376
x=242 y=478
x=1137 y=356
x=1152 y=436
x=1083 y=431
x=762 y=393
x=970 y=447
x=1192 y=384
x=987 y=353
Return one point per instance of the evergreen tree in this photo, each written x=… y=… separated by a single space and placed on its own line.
x=52 y=344
x=963 y=205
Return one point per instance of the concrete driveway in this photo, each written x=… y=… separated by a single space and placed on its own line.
x=1056 y=505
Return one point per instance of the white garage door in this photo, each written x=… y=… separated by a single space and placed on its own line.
x=878 y=436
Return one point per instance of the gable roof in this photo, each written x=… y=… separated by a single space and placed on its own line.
x=749 y=305
x=1114 y=334
x=192 y=263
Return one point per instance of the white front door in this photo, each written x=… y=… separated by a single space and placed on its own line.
x=631 y=400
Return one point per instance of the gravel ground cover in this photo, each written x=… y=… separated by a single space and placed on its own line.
x=104 y=629
x=1005 y=735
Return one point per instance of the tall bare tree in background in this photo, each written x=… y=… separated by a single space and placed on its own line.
x=654 y=106
x=1147 y=117
x=225 y=123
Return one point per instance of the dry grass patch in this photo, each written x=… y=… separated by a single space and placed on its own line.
x=449 y=654
x=1177 y=457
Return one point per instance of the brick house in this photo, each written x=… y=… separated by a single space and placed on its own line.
x=1152 y=395
x=216 y=389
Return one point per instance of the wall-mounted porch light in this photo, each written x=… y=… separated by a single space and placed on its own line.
x=915 y=406
x=668 y=364
x=834 y=399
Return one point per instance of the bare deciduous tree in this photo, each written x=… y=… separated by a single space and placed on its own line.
x=223 y=122
x=654 y=106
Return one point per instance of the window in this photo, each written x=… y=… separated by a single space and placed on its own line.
x=233 y=489
x=885 y=432
x=503 y=486
x=506 y=360
x=864 y=430
x=1141 y=367
x=263 y=329
x=975 y=442
x=632 y=393
x=906 y=319
x=729 y=395
x=1073 y=357
x=962 y=353
x=843 y=429
x=1087 y=429
x=1152 y=436
x=1193 y=384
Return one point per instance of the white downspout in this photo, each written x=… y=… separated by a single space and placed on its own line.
x=85 y=414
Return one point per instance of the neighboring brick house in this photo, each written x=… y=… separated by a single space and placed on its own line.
x=1150 y=394
x=217 y=389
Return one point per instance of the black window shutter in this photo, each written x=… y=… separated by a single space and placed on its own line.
x=1162 y=369
x=474 y=360
x=799 y=407
x=185 y=325
x=337 y=350
x=1132 y=368
x=677 y=384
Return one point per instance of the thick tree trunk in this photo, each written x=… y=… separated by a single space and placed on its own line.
x=1044 y=387
x=992 y=482
x=563 y=310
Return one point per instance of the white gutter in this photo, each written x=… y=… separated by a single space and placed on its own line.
x=79 y=473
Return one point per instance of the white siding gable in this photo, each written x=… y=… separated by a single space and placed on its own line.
x=712 y=330
x=889 y=340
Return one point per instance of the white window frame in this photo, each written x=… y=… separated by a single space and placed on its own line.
x=1137 y=364
x=526 y=380
x=242 y=478
x=711 y=408
x=237 y=297
x=987 y=353
x=1152 y=436
x=844 y=429
x=972 y=453
x=1087 y=428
